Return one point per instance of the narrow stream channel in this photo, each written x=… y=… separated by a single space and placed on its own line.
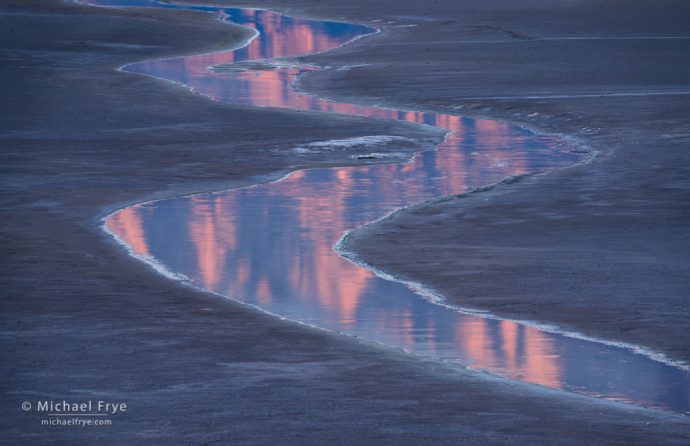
x=271 y=245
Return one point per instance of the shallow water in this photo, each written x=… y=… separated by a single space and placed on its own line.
x=272 y=245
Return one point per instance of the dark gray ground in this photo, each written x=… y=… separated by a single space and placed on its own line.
x=83 y=321
x=602 y=248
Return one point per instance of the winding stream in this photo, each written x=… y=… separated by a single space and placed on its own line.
x=271 y=245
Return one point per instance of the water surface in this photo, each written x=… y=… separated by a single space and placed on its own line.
x=272 y=245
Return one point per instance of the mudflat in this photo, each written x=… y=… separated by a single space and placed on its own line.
x=83 y=321
x=600 y=248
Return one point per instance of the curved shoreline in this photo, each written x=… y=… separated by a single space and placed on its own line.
x=187 y=360
x=420 y=289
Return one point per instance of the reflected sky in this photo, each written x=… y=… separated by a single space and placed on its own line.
x=271 y=245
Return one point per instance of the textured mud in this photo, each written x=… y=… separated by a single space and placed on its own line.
x=82 y=321
x=601 y=248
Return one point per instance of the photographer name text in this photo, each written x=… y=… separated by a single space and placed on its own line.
x=86 y=407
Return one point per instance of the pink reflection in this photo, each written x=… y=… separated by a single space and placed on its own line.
x=537 y=364
x=313 y=272
x=126 y=225
x=213 y=231
x=271 y=245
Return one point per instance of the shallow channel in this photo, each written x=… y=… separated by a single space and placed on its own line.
x=272 y=245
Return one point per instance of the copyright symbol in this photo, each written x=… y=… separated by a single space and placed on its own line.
x=26 y=406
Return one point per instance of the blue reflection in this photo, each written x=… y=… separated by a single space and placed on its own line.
x=271 y=245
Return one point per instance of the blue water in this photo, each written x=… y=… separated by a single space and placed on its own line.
x=272 y=245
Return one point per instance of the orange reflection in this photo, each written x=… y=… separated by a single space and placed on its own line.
x=126 y=224
x=303 y=264
x=213 y=232
x=537 y=364
x=541 y=364
x=319 y=277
